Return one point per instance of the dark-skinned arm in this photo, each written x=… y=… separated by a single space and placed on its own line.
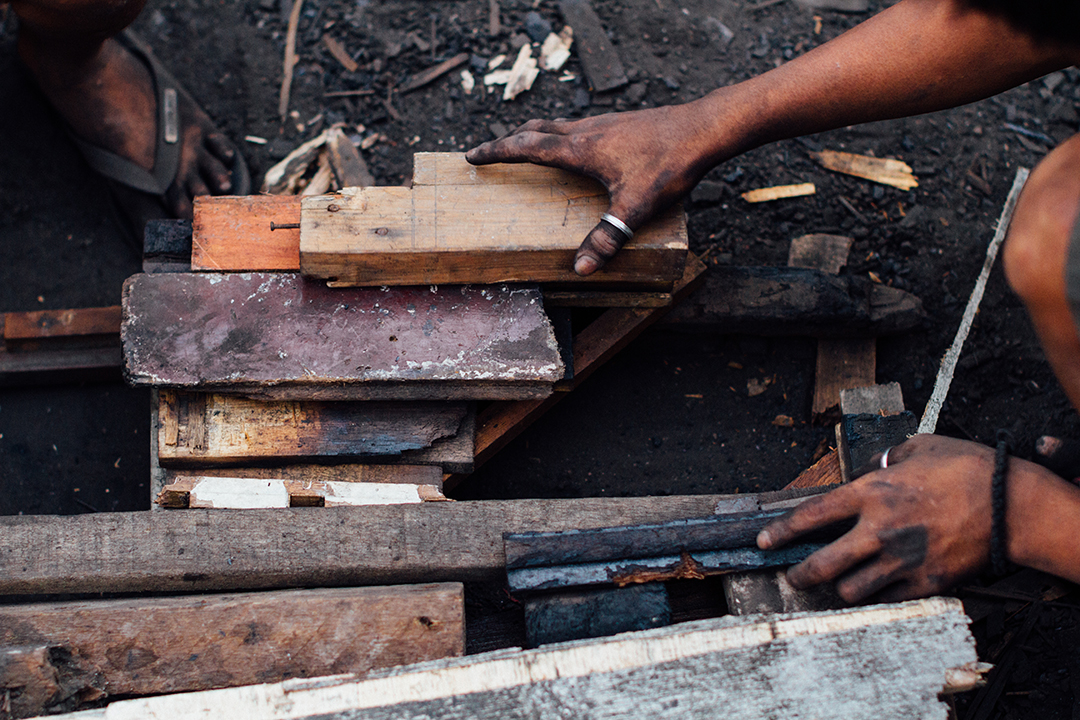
x=915 y=57
x=923 y=524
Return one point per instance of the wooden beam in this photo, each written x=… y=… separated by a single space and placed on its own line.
x=59 y=345
x=344 y=472
x=234 y=233
x=231 y=493
x=501 y=422
x=804 y=665
x=795 y=301
x=33 y=329
x=598 y=56
x=213 y=429
x=842 y=363
x=464 y=224
x=159 y=645
x=280 y=336
x=204 y=550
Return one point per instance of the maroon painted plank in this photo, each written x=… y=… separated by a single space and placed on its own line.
x=278 y=335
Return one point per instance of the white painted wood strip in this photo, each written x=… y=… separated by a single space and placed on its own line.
x=251 y=493
x=952 y=355
x=873 y=662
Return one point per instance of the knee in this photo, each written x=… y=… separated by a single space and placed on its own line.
x=1037 y=244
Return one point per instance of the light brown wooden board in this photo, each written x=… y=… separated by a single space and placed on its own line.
x=827 y=253
x=205 y=550
x=842 y=363
x=208 y=490
x=174 y=644
x=501 y=422
x=232 y=234
x=44 y=325
x=465 y=224
x=208 y=429
x=345 y=472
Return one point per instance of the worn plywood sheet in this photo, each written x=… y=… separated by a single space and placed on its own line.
x=281 y=336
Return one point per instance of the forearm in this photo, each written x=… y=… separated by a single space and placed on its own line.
x=915 y=57
x=1043 y=520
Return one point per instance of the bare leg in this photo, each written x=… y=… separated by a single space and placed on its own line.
x=107 y=96
x=1035 y=255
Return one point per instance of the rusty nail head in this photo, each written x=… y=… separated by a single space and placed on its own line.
x=333 y=207
x=382 y=231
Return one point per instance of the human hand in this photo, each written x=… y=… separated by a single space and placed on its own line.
x=924 y=524
x=646 y=160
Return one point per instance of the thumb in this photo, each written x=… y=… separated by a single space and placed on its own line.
x=601 y=244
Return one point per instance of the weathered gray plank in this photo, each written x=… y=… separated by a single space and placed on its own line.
x=885 y=661
x=580 y=614
x=277 y=335
x=198 y=550
x=598 y=57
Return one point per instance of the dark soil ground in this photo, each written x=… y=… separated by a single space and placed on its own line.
x=672 y=413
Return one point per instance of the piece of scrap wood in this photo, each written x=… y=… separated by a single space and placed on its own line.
x=343 y=472
x=952 y=355
x=580 y=614
x=349 y=168
x=827 y=253
x=842 y=363
x=296 y=547
x=280 y=336
x=322 y=180
x=880 y=170
x=599 y=298
x=433 y=73
x=601 y=63
x=799 y=665
x=555 y=50
x=885 y=399
x=203 y=491
x=290 y=58
x=59 y=358
x=768 y=591
x=284 y=177
x=779 y=192
x=40 y=327
x=244 y=233
x=522 y=74
x=214 y=429
x=147 y=646
x=795 y=301
x=339 y=53
x=30 y=681
x=861 y=437
x=823 y=473
x=461 y=223
x=500 y=422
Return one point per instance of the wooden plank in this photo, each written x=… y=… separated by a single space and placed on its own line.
x=827 y=253
x=349 y=168
x=465 y=224
x=204 y=550
x=205 y=429
x=885 y=399
x=32 y=329
x=863 y=436
x=576 y=615
x=768 y=591
x=778 y=192
x=501 y=422
x=176 y=644
x=795 y=301
x=598 y=57
x=842 y=363
x=234 y=233
x=887 y=172
x=344 y=472
x=591 y=298
x=279 y=336
x=823 y=473
x=800 y=665
x=232 y=493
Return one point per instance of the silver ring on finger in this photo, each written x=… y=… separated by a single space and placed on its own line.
x=885 y=458
x=618 y=225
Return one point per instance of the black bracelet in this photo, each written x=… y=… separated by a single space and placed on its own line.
x=999 y=553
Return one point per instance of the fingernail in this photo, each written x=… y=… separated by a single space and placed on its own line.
x=764 y=540
x=585 y=265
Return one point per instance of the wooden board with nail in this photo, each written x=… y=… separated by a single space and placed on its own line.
x=465 y=224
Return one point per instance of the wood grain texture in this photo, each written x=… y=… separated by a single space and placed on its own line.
x=465 y=224
x=823 y=473
x=855 y=664
x=176 y=644
x=344 y=472
x=842 y=363
x=201 y=429
x=827 y=253
x=501 y=422
x=887 y=399
x=45 y=325
x=233 y=233
x=280 y=336
x=232 y=493
x=202 y=550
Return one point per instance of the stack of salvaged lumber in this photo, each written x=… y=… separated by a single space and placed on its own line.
x=320 y=375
